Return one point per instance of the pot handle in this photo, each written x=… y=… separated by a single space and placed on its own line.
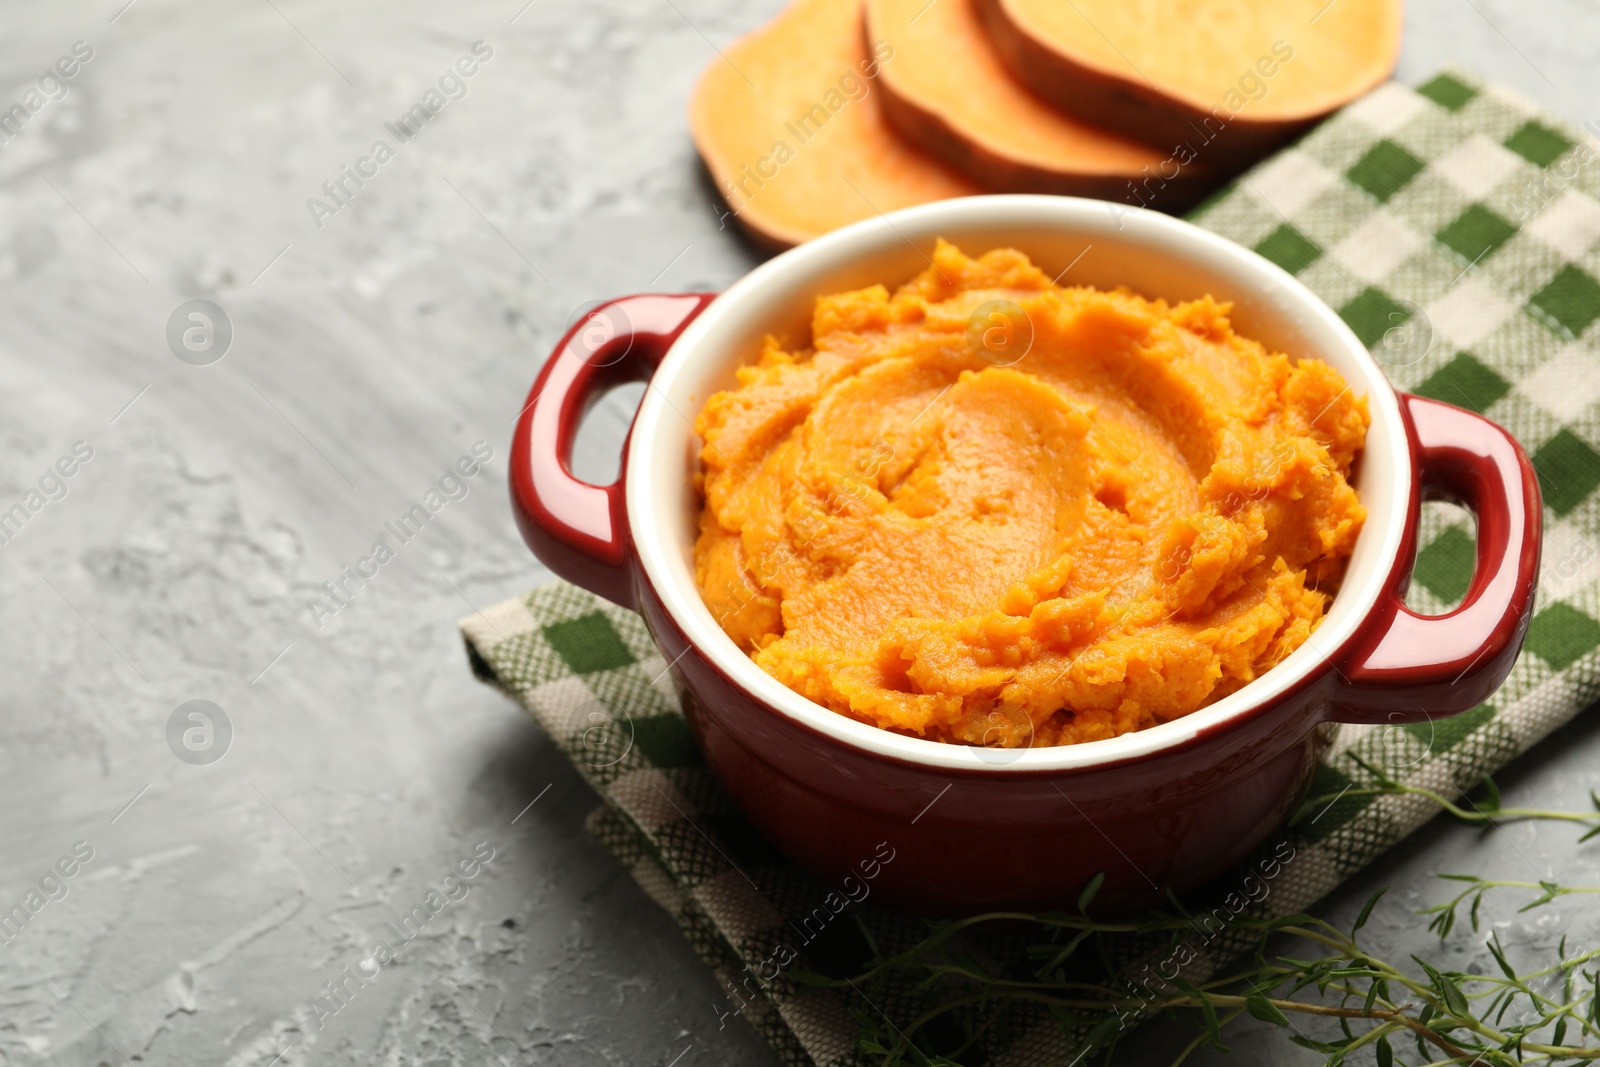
x=1406 y=667
x=578 y=530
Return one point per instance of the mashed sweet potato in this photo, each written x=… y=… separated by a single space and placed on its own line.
x=1141 y=514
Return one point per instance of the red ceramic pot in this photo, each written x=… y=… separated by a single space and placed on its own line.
x=978 y=829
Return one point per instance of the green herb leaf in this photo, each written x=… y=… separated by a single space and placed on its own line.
x=1212 y=1024
x=1454 y=998
x=1266 y=1011
x=1109 y=1027
x=1500 y=957
x=1086 y=897
x=1366 y=910
x=1376 y=988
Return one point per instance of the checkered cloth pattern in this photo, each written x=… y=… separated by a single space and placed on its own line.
x=1457 y=230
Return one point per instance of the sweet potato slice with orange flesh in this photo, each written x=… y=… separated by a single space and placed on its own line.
x=788 y=124
x=1233 y=79
x=947 y=90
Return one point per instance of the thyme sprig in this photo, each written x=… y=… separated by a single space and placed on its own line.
x=964 y=1005
x=1484 y=808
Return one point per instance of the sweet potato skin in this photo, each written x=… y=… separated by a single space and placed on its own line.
x=932 y=131
x=1010 y=176
x=765 y=235
x=1159 y=119
x=858 y=169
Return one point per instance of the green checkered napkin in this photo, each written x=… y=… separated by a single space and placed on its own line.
x=1457 y=230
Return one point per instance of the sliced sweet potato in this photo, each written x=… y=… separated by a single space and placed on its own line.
x=1245 y=74
x=946 y=89
x=788 y=123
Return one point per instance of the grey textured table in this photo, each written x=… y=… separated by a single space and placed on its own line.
x=372 y=347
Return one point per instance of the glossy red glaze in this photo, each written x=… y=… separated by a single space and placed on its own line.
x=977 y=840
x=1433 y=666
x=579 y=530
x=967 y=842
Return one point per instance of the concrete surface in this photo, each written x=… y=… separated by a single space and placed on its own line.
x=367 y=355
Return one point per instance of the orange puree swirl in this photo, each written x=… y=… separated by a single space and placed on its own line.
x=1139 y=515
